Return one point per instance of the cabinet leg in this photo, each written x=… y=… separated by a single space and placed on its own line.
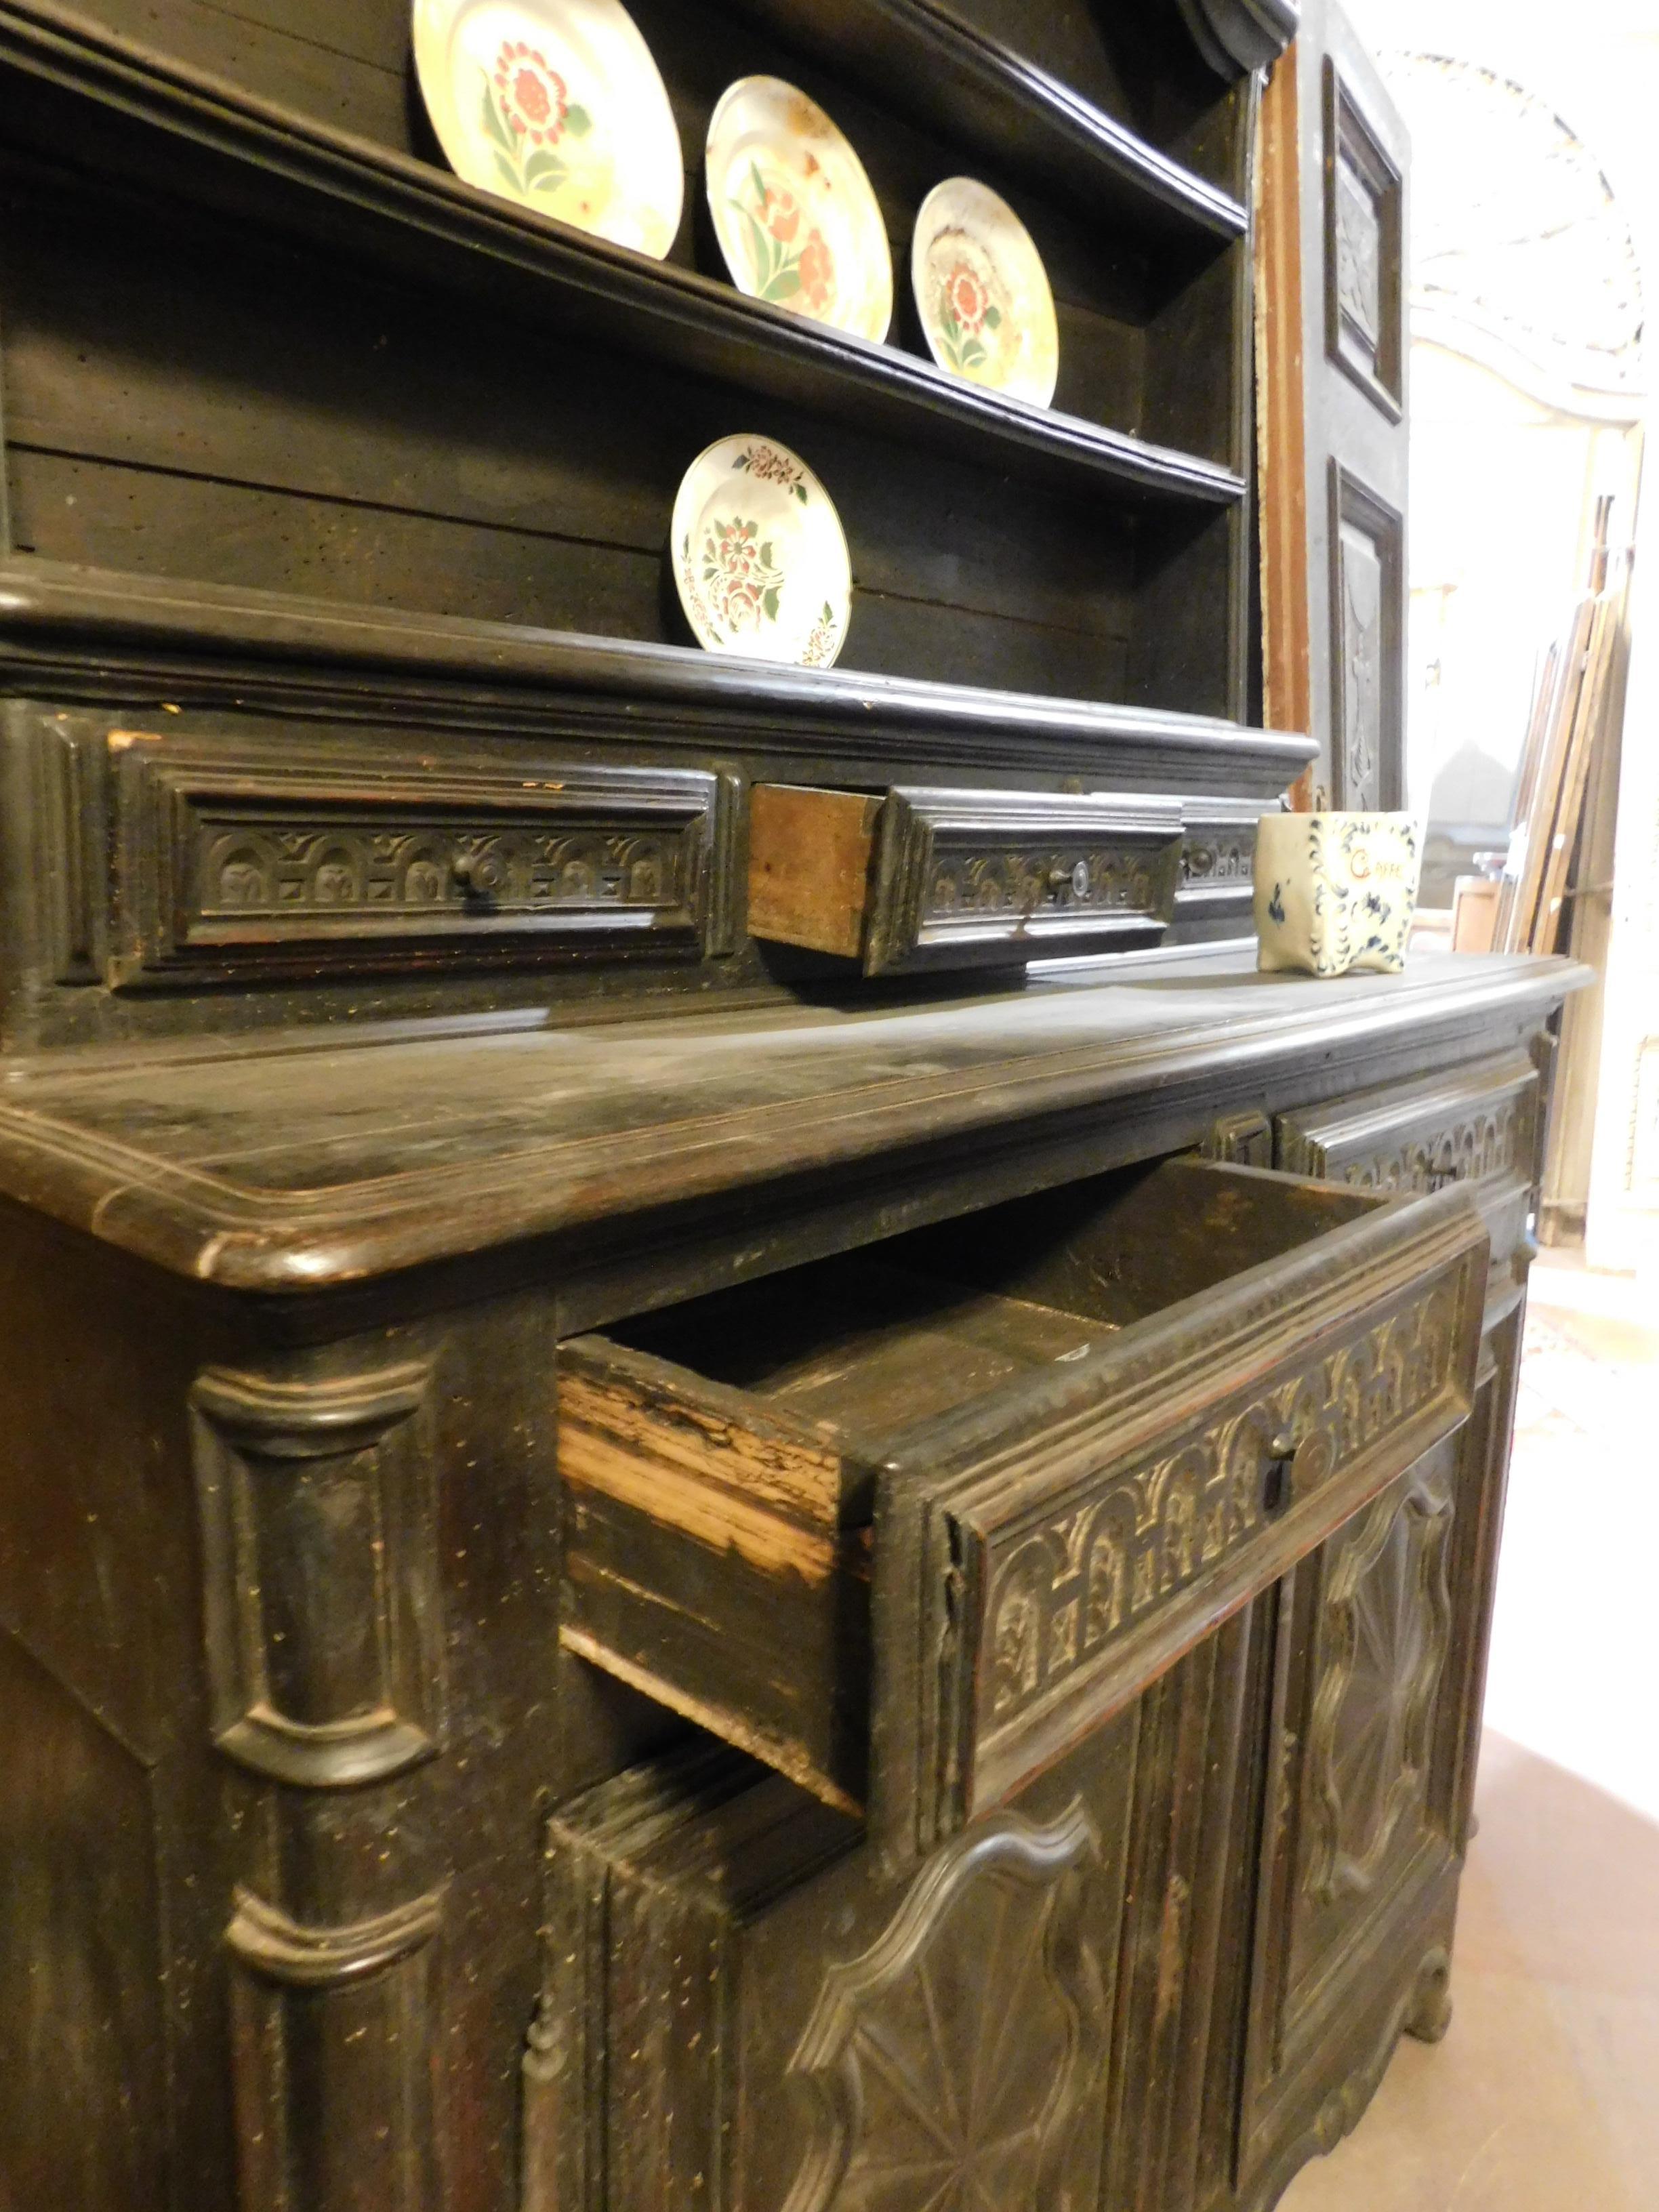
x=1431 y=2006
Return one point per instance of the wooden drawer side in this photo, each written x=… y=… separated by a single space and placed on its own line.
x=705 y=1565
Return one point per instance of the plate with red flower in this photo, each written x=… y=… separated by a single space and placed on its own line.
x=558 y=105
x=760 y=556
x=982 y=293
x=794 y=212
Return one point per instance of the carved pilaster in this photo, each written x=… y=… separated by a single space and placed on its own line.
x=335 y=2041
x=324 y=1644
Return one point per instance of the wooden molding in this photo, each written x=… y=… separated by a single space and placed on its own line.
x=1281 y=421
x=1237 y=36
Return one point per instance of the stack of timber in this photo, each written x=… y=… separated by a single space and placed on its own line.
x=1577 y=698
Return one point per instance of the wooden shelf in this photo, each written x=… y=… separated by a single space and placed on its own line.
x=75 y=93
x=80 y=633
x=988 y=96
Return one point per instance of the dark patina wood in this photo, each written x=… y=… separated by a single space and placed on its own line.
x=1069 y=1485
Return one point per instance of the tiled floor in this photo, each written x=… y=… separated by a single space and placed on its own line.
x=1545 y=2095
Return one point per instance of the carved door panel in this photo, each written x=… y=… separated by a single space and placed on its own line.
x=744 y=2009
x=1378 y=1675
x=1334 y=377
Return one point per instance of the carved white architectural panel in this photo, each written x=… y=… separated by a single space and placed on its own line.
x=1520 y=256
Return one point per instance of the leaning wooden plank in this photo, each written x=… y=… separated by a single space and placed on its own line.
x=1526 y=782
x=1586 y=737
x=1535 y=831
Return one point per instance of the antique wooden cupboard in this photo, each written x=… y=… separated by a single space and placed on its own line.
x=731 y=1477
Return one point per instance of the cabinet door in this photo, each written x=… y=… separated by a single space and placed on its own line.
x=1379 y=1671
x=1334 y=379
x=744 y=2010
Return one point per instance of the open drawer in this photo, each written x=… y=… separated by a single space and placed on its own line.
x=944 y=878
x=907 y=1527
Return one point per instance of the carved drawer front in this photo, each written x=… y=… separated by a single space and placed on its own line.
x=909 y=1528
x=1477 y=1125
x=243 y=858
x=1471 y=1125
x=921 y=878
x=1218 y=862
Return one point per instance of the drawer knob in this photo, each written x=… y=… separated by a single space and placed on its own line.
x=1074 y=879
x=479 y=875
x=1276 y=1475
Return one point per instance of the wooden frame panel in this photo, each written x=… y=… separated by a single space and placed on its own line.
x=1364 y=251
x=1368 y=627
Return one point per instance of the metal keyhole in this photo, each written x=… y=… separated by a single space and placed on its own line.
x=1278 y=1477
x=479 y=875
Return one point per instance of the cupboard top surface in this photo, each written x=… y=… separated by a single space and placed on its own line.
x=302 y=1162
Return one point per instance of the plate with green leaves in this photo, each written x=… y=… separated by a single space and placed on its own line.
x=797 y=221
x=982 y=294
x=558 y=105
x=760 y=557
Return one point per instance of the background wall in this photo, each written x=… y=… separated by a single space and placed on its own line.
x=1597 y=65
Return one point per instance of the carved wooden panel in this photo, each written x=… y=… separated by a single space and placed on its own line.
x=336 y=2045
x=242 y=861
x=1368 y=611
x=1061 y=1594
x=1380 y=1643
x=1054 y=1584
x=633 y=2069
x=1217 y=859
x=69 y=814
x=1177 y=2038
x=741 y=2008
x=945 y=877
x=950 y=2062
x=1383 y=1640
x=325 y=1639
x=1364 y=288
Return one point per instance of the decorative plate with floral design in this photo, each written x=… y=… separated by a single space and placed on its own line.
x=794 y=212
x=760 y=558
x=555 y=104
x=982 y=292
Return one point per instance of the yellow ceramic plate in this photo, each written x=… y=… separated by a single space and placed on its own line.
x=794 y=212
x=760 y=557
x=555 y=104
x=982 y=293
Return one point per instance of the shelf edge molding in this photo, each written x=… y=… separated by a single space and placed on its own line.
x=424 y=223
x=1237 y=36
x=140 y=635
x=1080 y=138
